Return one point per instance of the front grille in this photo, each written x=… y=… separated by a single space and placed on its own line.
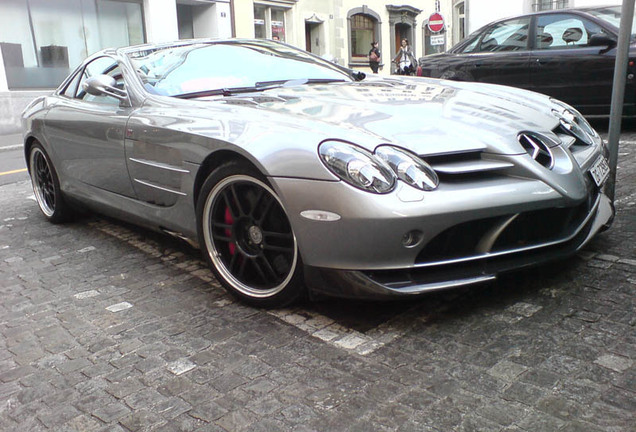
x=506 y=233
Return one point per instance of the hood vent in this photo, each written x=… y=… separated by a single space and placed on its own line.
x=465 y=165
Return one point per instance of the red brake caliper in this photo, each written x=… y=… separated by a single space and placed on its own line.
x=230 y=221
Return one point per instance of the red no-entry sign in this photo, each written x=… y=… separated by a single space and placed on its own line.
x=436 y=22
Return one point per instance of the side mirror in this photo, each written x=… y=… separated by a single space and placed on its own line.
x=601 y=40
x=101 y=85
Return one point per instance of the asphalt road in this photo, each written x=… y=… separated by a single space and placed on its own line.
x=12 y=165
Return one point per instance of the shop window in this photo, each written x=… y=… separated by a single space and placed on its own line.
x=269 y=22
x=42 y=40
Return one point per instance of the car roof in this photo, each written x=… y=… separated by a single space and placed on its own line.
x=577 y=11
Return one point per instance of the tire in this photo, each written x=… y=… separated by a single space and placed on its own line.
x=246 y=237
x=46 y=186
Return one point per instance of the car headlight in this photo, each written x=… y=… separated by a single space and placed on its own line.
x=574 y=123
x=409 y=168
x=357 y=166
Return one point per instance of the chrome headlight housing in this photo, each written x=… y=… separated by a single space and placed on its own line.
x=357 y=166
x=574 y=123
x=409 y=168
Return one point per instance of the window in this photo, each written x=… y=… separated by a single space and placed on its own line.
x=101 y=66
x=542 y=5
x=433 y=42
x=459 y=21
x=42 y=40
x=71 y=87
x=509 y=35
x=362 y=34
x=269 y=22
x=564 y=31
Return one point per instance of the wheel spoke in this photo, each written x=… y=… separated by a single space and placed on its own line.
x=228 y=202
x=236 y=199
x=266 y=210
x=259 y=270
x=221 y=225
x=282 y=249
x=256 y=202
x=268 y=267
x=221 y=237
x=278 y=235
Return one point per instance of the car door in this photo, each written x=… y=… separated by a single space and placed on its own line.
x=564 y=66
x=88 y=131
x=500 y=55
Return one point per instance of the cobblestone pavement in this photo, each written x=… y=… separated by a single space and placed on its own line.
x=109 y=327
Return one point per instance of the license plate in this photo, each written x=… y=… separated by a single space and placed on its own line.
x=600 y=170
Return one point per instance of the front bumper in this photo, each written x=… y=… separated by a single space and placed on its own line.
x=383 y=284
x=470 y=231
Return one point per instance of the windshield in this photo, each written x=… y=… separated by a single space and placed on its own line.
x=612 y=15
x=203 y=68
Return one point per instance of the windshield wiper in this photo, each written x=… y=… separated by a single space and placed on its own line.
x=259 y=86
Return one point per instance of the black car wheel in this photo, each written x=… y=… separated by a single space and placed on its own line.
x=46 y=186
x=247 y=237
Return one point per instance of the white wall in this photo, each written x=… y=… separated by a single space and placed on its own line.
x=586 y=3
x=161 y=20
x=482 y=12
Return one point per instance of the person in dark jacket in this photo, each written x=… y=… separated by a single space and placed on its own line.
x=374 y=57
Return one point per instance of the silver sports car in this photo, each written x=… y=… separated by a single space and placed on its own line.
x=298 y=176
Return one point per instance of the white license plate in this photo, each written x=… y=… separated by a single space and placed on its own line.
x=600 y=170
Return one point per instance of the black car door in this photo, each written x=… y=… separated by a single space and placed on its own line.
x=500 y=55
x=565 y=66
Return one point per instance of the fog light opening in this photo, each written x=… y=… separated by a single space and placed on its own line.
x=412 y=238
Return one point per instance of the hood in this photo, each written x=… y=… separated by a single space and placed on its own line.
x=426 y=116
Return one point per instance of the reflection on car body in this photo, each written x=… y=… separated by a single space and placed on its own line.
x=298 y=176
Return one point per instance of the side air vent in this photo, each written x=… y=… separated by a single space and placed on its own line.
x=538 y=148
x=465 y=165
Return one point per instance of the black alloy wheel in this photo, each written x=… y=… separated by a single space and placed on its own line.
x=248 y=238
x=46 y=186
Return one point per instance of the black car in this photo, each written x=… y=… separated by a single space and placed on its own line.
x=568 y=54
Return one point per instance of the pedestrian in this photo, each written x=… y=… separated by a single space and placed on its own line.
x=374 y=57
x=405 y=59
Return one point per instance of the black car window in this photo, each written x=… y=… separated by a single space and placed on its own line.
x=101 y=66
x=469 y=46
x=511 y=35
x=564 y=31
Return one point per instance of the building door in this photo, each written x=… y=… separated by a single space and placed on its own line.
x=312 y=38
x=402 y=31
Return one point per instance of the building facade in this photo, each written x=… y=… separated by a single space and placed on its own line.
x=343 y=30
x=42 y=40
x=480 y=12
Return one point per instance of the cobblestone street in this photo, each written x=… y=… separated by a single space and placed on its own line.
x=108 y=327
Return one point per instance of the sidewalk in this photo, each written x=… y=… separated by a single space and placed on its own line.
x=10 y=141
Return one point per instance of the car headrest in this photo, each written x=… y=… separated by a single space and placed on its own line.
x=573 y=34
x=544 y=40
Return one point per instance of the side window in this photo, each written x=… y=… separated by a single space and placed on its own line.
x=509 y=35
x=564 y=31
x=70 y=89
x=100 y=66
x=471 y=46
